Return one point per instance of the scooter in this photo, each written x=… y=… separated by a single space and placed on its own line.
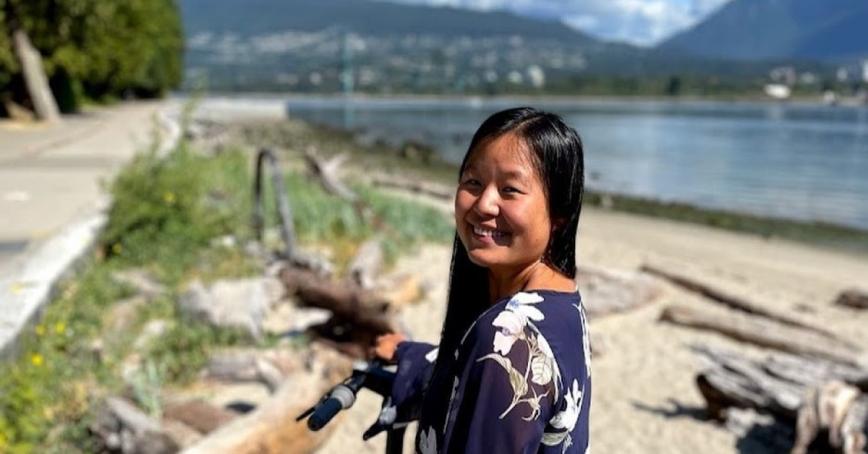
x=373 y=376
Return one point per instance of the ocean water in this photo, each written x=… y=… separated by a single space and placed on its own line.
x=797 y=161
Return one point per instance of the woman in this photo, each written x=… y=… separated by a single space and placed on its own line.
x=512 y=370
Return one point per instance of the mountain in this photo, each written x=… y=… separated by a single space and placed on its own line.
x=831 y=30
x=312 y=44
x=380 y=47
x=374 y=18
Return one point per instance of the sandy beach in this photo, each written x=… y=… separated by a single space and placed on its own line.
x=645 y=399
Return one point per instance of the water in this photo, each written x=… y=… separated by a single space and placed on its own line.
x=796 y=161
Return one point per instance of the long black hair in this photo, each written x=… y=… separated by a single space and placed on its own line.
x=557 y=155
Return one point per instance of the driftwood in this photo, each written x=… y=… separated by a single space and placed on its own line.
x=366 y=264
x=199 y=415
x=359 y=315
x=272 y=428
x=34 y=77
x=765 y=333
x=731 y=300
x=121 y=427
x=402 y=290
x=854 y=298
x=419 y=187
x=834 y=416
x=607 y=291
x=736 y=381
x=327 y=171
x=824 y=409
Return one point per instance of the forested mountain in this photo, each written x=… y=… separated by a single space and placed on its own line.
x=832 y=30
x=372 y=18
x=376 y=46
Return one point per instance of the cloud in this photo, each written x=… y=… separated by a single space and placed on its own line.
x=642 y=22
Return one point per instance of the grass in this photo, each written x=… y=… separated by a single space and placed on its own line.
x=167 y=216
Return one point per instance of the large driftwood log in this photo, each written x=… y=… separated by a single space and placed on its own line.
x=271 y=428
x=730 y=300
x=359 y=316
x=823 y=407
x=419 y=187
x=736 y=381
x=854 y=297
x=765 y=333
x=607 y=291
x=34 y=77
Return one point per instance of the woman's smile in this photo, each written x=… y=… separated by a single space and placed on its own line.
x=488 y=235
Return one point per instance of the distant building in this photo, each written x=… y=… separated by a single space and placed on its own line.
x=536 y=76
x=515 y=77
x=783 y=75
x=777 y=91
x=865 y=71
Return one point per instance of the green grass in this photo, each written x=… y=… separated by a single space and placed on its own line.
x=166 y=214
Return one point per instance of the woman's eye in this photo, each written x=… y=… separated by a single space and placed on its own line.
x=471 y=182
x=511 y=190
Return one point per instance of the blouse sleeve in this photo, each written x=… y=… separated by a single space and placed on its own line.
x=508 y=392
x=415 y=365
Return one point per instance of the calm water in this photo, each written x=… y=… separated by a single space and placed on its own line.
x=784 y=160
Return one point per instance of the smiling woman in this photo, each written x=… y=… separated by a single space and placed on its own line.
x=508 y=376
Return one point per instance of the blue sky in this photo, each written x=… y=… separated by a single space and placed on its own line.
x=642 y=22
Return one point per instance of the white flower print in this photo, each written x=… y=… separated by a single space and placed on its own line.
x=567 y=418
x=586 y=341
x=428 y=441
x=514 y=318
x=543 y=365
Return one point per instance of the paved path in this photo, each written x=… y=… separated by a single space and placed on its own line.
x=52 y=175
x=52 y=196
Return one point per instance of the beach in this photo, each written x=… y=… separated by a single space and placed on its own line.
x=645 y=398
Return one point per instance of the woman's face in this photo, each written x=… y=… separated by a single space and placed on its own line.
x=501 y=211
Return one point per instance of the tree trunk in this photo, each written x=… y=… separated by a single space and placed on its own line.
x=34 y=76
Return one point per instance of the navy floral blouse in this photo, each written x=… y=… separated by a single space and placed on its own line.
x=522 y=382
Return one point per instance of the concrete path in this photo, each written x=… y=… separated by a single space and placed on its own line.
x=52 y=196
x=52 y=175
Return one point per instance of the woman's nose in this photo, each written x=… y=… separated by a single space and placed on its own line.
x=488 y=203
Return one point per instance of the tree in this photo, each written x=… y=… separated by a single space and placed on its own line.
x=97 y=49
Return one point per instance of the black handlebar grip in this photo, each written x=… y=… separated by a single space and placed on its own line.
x=324 y=413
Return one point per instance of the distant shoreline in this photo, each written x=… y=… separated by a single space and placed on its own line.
x=838 y=237
x=807 y=101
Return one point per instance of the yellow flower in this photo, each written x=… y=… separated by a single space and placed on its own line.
x=17 y=288
x=36 y=359
x=117 y=248
x=39 y=329
x=169 y=198
x=60 y=327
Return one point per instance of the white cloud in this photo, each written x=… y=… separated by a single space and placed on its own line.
x=643 y=22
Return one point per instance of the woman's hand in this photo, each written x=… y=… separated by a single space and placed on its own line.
x=387 y=344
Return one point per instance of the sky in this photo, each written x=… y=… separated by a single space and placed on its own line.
x=641 y=22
